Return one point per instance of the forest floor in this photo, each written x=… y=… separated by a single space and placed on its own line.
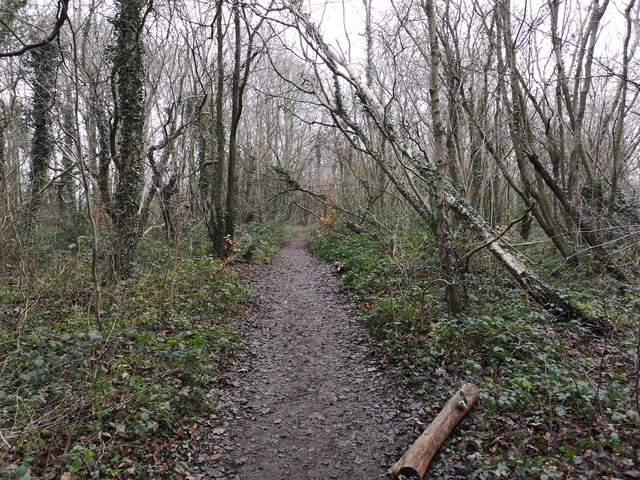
x=308 y=398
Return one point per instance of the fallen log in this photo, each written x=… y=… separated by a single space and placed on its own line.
x=416 y=460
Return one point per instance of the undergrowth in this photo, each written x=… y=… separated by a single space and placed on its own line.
x=556 y=400
x=106 y=383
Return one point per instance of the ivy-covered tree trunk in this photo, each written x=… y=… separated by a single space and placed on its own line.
x=129 y=81
x=43 y=60
x=217 y=213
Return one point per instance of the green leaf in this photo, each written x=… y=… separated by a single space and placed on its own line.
x=94 y=335
x=561 y=411
x=615 y=416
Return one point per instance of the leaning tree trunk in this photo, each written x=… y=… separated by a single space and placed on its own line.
x=129 y=80
x=538 y=290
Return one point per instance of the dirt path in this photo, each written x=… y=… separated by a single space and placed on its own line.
x=309 y=402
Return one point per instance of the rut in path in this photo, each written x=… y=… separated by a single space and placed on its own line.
x=310 y=404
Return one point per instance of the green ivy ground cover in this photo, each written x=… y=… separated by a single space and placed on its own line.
x=557 y=400
x=109 y=388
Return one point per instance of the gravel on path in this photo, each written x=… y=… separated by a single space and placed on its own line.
x=308 y=401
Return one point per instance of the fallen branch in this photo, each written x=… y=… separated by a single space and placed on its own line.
x=416 y=460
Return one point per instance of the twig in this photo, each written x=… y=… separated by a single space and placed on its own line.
x=61 y=17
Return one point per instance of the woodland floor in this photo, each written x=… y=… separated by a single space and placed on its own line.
x=307 y=399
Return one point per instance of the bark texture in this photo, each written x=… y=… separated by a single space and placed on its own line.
x=42 y=145
x=416 y=461
x=217 y=214
x=129 y=82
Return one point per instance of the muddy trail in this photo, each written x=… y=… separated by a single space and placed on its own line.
x=308 y=400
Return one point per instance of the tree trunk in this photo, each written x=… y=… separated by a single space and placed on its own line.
x=524 y=146
x=217 y=214
x=42 y=143
x=67 y=194
x=236 y=112
x=539 y=291
x=453 y=298
x=167 y=205
x=104 y=157
x=129 y=80
x=619 y=125
x=4 y=207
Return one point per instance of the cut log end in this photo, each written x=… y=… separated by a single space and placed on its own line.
x=415 y=462
x=408 y=473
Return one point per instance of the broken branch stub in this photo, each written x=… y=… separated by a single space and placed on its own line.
x=415 y=462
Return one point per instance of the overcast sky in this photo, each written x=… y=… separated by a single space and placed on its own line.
x=342 y=21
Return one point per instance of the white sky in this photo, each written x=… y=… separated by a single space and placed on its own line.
x=342 y=21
